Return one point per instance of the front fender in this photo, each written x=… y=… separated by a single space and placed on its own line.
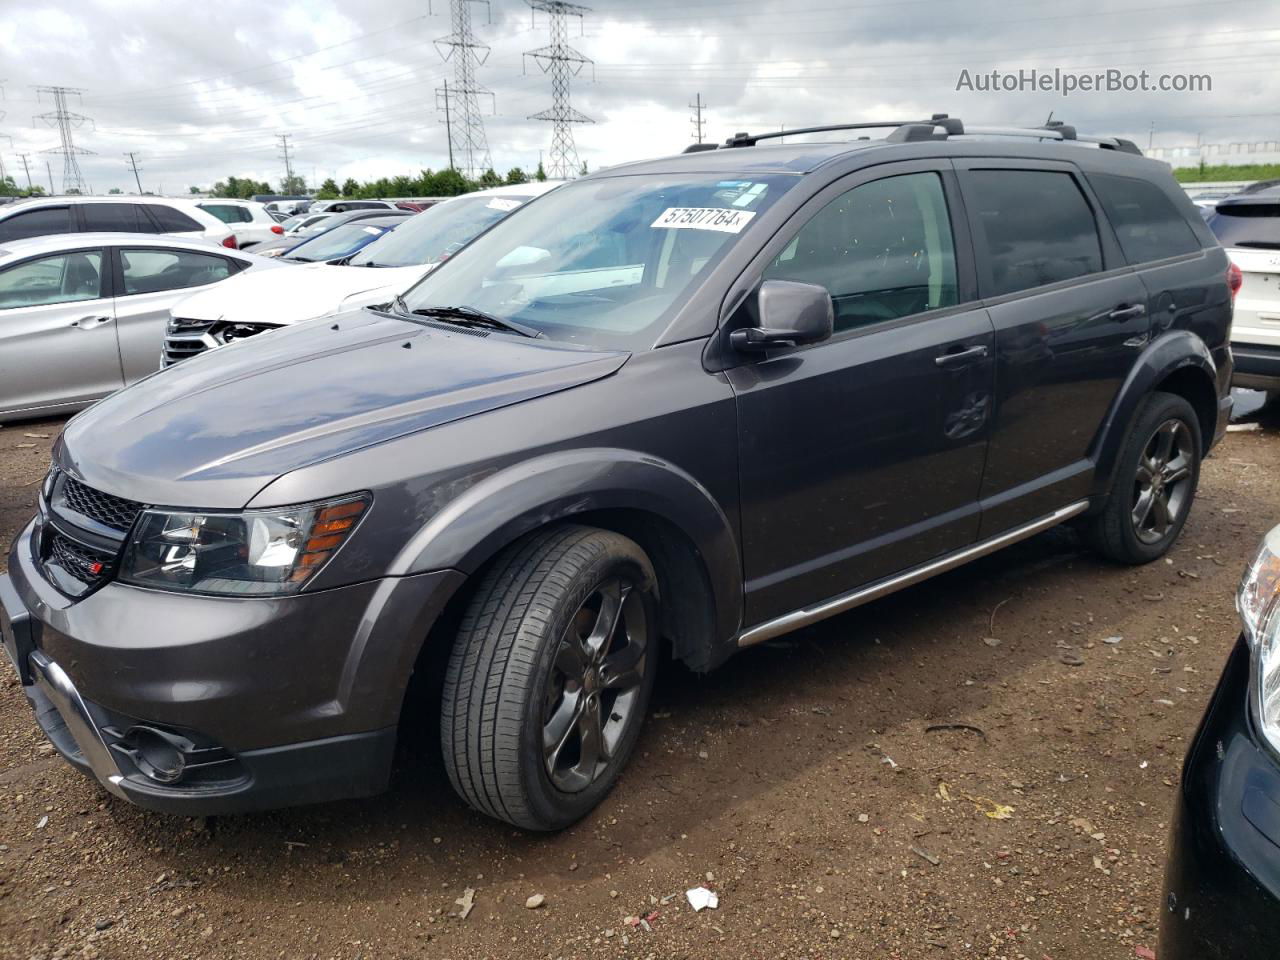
x=518 y=499
x=1167 y=354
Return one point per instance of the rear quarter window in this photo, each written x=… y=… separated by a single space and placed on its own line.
x=171 y=220
x=37 y=223
x=1147 y=224
x=228 y=212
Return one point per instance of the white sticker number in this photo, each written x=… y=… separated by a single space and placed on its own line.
x=719 y=219
x=500 y=203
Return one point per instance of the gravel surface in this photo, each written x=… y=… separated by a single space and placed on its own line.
x=822 y=786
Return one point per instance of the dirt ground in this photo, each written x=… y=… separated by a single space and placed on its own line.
x=804 y=782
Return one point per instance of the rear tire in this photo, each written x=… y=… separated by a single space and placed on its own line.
x=550 y=675
x=1155 y=483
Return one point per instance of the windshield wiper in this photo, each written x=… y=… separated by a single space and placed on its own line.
x=471 y=317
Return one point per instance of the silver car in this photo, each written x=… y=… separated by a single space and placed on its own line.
x=82 y=315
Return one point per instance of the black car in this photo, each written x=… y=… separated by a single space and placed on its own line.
x=1222 y=889
x=675 y=408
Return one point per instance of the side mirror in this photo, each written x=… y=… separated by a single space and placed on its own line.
x=791 y=314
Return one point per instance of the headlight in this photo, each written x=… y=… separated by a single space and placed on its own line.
x=1259 y=609
x=252 y=553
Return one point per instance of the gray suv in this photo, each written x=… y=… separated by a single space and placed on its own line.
x=673 y=409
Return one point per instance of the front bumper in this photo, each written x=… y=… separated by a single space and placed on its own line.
x=273 y=702
x=1257 y=366
x=1222 y=886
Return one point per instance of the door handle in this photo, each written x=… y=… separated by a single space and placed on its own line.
x=85 y=323
x=1121 y=314
x=962 y=356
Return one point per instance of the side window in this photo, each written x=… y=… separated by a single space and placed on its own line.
x=113 y=218
x=37 y=223
x=1147 y=224
x=884 y=250
x=64 y=278
x=150 y=271
x=173 y=221
x=1038 y=227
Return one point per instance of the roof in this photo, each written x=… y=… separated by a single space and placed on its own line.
x=108 y=198
x=55 y=242
x=533 y=188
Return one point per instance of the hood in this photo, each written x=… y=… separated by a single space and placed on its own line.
x=296 y=293
x=214 y=430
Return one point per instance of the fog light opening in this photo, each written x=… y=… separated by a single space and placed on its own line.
x=160 y=756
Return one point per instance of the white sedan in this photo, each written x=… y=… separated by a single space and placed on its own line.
x=390 y=265
x=83 y=314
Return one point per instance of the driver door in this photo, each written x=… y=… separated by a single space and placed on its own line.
x=57 y=332
x=862 y=456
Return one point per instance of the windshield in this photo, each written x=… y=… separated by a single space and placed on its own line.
x=341 y=241
x=1247 y=225
x=438 y=232
x=601 y=262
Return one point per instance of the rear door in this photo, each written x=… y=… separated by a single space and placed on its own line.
x=149 y=280
x=1070 y=319
x=57 y=338
x=862 y=456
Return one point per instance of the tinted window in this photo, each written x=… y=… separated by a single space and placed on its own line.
x=114 y=218
x=228 y=212
x=1247 y=225
x=883 y=250
x=341 y=241
x=64 y=278
x=1038 y=228
x=36 y=223
x=171 y=220
x=431 y=237
x=1146 y=222
x=149 y=271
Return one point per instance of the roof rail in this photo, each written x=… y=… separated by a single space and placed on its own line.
x=938 y=127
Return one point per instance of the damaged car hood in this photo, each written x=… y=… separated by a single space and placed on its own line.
x=214 y=430
x=297 y=293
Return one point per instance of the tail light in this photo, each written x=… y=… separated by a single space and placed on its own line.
x=1235 y=280
x=277 y=229
x=230 y=243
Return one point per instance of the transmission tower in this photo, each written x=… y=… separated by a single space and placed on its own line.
x=461 y=102
x=697 y=107
x=563 y=63
x=287 y=186
x=66 y=121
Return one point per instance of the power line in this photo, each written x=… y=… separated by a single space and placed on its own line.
x=697 y=120
x=466 y=128
x=133 y=162
x=72 y=179
x=563 y=63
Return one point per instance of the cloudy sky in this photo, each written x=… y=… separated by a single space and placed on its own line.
x=200 y=90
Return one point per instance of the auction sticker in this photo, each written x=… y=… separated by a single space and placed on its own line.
x=719 y=219
x=500 y=203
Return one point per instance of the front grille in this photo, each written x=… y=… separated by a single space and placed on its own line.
x=180 y=348
x=87 y=565
x=104 y=508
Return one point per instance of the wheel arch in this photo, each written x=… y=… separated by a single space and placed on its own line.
x=1176 y=362
x=666 y=511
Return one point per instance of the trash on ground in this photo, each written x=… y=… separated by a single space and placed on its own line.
x=1112 y=640
x=700 y=898
x=989 y=808
x=1239 y=428
x=925 y=855
x=467 y=902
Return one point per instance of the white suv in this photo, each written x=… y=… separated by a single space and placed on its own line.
x=45 y=216
x=248 y=220
x=1248 y=225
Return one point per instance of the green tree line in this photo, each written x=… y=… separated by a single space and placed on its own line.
x=429 y=183
x=10 y=188
x=1206 y=173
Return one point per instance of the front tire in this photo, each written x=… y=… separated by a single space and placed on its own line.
x=550 y=675
x=1155 y=483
